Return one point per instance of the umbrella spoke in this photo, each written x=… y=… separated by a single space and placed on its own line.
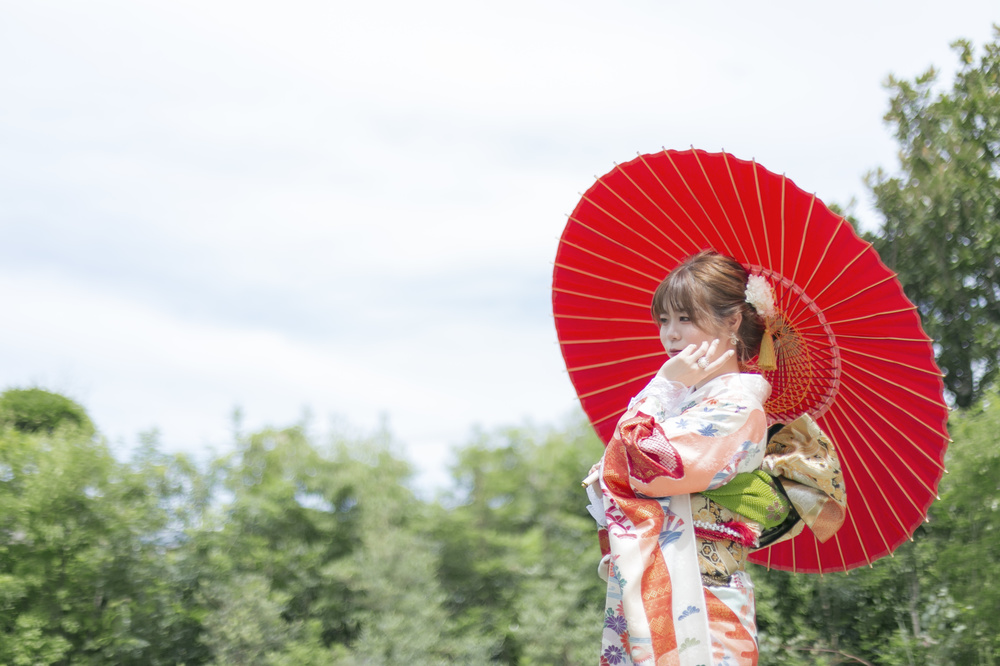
x=615 y=218
x=827 y=308
x=899 y=458
x=819 y=559
x=739 y=200
x=842 y=336
x=858 y=488
x=657 y=205
x=725 y=214
x=763 y=218
x=878 y=486
x=590 y=341
x=633 y=250
x=910 y=366
x=870 y=315
x=821 y=260
x=605 y=389
x=895 y=426
x=897 y=385
x=840 y=549
x=602 y=278
x=642 y=217
x=611 y=261
x=840 y=275
x=607 y=299
x=614 y=362
x=781 y=248
x=802 y=244
x=626 y=320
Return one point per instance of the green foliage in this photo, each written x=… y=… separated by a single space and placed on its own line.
x=942 y=213
x=287 y=552
x=79 y=556
x=36 y=410
x=519 y=550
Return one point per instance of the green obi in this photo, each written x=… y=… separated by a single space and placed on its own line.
x=754 y=495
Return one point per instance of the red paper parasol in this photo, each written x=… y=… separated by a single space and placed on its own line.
x=864 y=369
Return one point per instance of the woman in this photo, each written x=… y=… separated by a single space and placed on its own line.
x=674 y=559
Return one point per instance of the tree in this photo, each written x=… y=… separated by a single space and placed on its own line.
x=941 y=231
x=37 y=410
x=86 y=574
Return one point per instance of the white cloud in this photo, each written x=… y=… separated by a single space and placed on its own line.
x=355 y=206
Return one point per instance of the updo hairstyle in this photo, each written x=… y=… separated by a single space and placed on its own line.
x=710 y=288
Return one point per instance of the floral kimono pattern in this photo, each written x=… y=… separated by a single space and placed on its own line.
x=677 y=597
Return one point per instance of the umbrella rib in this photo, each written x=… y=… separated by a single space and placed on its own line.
x=840 y=549
x=657 y=205
x=594 y=341
x=802 y=244
x=933 y=373
x=610 y=260
x=600 y=298
x=883 y=337
x=827 y=308
x=878 y=486
x=711 y=187
x=900 y=458
x=623 y=245
x=627 y=227
x=736 y=191
x=860 y=490
x=847 y=387
x=896 y=384
x=608 y=388
x=781 y=265
x=589 y=318
x=861 y=544
x=643 y=217
x=604 y=418
x=819 y=559
x=644 y=290
x=615 y=362
x=690 y=191
x=843 y=270
x=870 y=315
x=822 y=259
x=760 y=205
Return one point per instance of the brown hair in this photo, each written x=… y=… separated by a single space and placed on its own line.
x=710 y=288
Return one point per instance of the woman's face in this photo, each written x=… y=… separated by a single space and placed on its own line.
x=677 y=332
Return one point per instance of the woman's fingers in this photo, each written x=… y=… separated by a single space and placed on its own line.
x=694 y=363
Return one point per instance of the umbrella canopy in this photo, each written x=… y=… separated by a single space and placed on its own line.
x=854 y=355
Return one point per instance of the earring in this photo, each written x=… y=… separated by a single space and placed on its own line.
x=733 y=340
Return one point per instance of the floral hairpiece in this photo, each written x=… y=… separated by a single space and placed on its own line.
x=760 y=296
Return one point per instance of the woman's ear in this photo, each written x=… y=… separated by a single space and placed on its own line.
x=734 y=323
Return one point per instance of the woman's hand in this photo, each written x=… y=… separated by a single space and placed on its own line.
x=695 y=364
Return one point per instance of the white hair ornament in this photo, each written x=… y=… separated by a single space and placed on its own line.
x=760 y=295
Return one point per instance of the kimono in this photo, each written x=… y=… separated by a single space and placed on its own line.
x=673 y=559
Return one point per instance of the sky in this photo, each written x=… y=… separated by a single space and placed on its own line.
x=345 y=214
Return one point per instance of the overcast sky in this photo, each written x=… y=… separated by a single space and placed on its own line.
x=352 y=208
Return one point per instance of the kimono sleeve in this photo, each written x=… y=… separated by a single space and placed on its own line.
x=677 y=443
